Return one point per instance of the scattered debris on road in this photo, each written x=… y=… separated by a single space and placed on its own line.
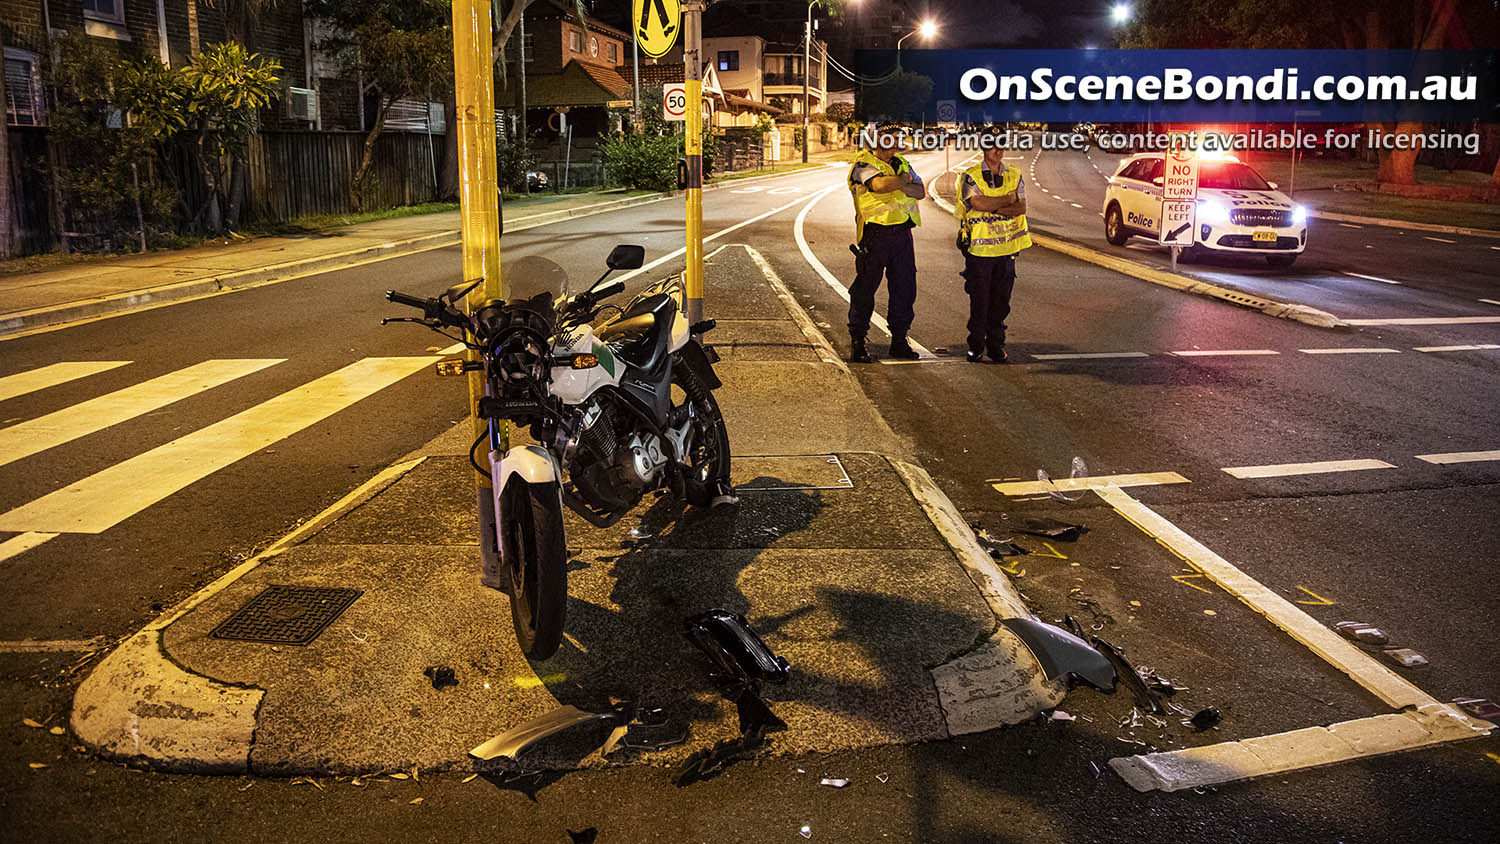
x=1077 y=469
x=516 y=739
x=1405 y=657
x=1205 y=718
x=584 y=836
x=1126 y=674
x=834 y=782
x=441 y=676
x=1361 y=633
x=1479 y=707
x=740 y=662
x=1052 y=529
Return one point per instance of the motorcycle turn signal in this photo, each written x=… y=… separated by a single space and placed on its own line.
x=458 y=366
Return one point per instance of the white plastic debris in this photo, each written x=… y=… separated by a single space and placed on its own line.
x=806 y=831
x=1059 y=715
x=835 y=782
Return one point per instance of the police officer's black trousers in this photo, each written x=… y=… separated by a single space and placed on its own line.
x=989 y=282
x=887 y=251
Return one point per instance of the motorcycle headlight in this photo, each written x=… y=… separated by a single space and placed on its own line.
x=1212 y=212
x=1299 y=215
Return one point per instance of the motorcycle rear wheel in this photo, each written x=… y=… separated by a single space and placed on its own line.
x=534 y=553
x=708 y=456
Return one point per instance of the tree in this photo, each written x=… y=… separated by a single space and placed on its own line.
x=1294 y=24
x=401 y=49
x=226 y=89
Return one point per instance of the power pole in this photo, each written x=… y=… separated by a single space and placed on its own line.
x=7 y=205
x=806 y=74
x=474 y=97
x=692 y=50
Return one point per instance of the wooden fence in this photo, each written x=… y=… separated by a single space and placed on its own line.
x=290 y=175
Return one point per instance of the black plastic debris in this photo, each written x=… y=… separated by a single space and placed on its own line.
x=1062 y=654
x=1206 y=718
x=1479 y=707
x=584 y=836
x=441 y=676
x=741 y=661
x=1159 y=684
x=1052 y=529
x=1362 y=633
x=1138 y=689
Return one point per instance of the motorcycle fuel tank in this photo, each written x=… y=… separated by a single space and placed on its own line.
x=575 y=385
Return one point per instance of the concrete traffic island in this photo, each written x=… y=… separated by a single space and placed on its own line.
x=845 y=558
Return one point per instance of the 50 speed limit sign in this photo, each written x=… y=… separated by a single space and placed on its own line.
x=674 y=101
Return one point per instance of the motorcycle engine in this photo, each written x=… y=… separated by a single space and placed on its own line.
x=611 y=465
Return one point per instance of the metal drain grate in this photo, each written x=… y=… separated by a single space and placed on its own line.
x=286 y=615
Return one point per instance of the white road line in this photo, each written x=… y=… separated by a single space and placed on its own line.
x=1478 y=347
x=1091 y=355
x=1059 y=198
x=1457 y=320
x=106 y=498
x=80 y=420
x=1371 y=277
x=51 y=375
x=17 y=545
x=453 y=349
x=34 y=646
x=1281 y=470
x=721 y=232
x=1200 y=353
x=1438 y=239
x=1460 y=457
x=1311 y=747
x=843 y=292
x=1351 y=350
x=1379 y=680
x=1350 y=226
x=1490 y=301
x=1020 y=488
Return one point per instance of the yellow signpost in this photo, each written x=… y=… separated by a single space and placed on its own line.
x=657 y=23
x=479 y=201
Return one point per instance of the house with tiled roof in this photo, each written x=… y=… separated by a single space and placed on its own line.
x=566 y=66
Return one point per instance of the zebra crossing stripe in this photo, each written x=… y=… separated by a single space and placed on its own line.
x=94 y=415
x=106 y=498
x=43 y=377
x=21 y=544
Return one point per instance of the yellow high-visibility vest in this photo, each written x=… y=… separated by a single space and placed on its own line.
x=991 y=235
x=890 y=208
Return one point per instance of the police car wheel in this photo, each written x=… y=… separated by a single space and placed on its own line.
x=1114 y=227
x=1281 y=260
x=1190 y=255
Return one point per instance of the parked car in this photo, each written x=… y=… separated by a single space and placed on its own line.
x=1239 y=212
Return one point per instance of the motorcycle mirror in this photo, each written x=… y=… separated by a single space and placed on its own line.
x=626 y=257
x=460 y=290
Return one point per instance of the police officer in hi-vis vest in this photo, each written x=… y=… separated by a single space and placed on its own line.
x=886 y=192
x=991 y=211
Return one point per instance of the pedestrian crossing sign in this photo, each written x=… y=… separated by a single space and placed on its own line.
x=657 y=23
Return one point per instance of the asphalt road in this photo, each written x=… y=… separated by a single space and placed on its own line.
x=1407 y=547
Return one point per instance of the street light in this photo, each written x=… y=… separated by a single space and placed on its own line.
x=927 y=30
x=1120 y=14
x=807 y=70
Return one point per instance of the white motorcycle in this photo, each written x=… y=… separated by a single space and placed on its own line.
x=614 y=412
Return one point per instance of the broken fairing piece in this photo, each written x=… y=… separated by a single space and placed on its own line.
x=1138 y=689
x=441 y=676
x=1062 y=654
x=707 y=763
x=1364 y=634
x=999 y=547
x=516 y=739
x=1052 y=529
x=736 y=651
x=1205 y=718
x=755 y=715
x=1480 y=708
x=1159 y=684
x=1059 y=715
x=1405 y=657
x=835 y=782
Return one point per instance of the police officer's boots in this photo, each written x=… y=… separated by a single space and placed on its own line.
x=857 y=351
x=902 y=350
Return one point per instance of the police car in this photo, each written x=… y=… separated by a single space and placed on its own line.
x=1238 y=211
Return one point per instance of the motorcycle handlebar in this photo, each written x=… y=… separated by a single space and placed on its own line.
x=403 y=299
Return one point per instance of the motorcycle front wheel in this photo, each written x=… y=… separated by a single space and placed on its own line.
x=708 y=453
x=534 y=553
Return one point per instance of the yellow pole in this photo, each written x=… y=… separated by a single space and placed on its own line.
x=474 y=95
x=692 y=49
